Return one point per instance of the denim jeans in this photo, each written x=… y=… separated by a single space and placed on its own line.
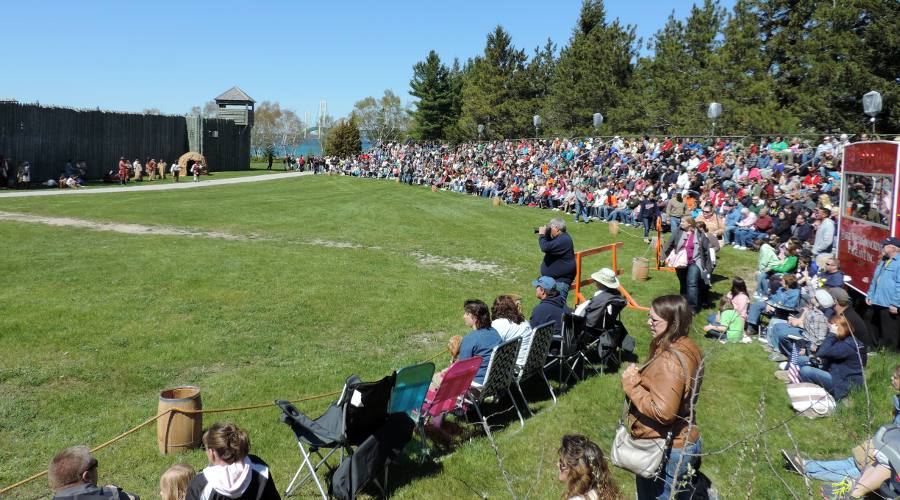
x=755 y=311
x=762 y=283
x=581 y=210
x=689 y=282
x=646 y=222
x=674 y=222
x=661 y=487
x=833 y=471
x=729 y=234
x=817 y=376
x=563 y=289
x=778 y=337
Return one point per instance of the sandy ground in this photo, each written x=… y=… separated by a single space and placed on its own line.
x=187 y=183
x=422 y=259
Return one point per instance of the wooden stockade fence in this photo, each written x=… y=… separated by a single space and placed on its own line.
x=48 y=136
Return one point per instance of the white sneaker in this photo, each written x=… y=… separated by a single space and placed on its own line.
x=782 y=365
x=746 y=340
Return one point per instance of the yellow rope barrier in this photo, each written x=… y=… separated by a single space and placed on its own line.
x=178 y=410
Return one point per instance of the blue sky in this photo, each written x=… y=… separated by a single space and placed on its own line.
x=132 y=55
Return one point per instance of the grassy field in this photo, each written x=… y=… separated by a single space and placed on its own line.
x=325 y=277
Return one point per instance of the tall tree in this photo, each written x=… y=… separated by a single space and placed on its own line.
x=592 y=71
x=431 y=85
x=742 y=81
x=489 y=93
x=842 y=64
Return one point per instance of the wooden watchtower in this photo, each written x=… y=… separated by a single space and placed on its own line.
x=235 y=105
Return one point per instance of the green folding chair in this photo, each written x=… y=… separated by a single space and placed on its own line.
x=409 y=394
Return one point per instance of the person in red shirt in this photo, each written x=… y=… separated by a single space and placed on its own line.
x=123 y=171
x=812 y=179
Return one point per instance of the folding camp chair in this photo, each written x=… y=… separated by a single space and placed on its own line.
x=410 y=390
x=359 y=412
x=534 y=360
x=568 y=355
x=450 y=393
x=607 y=335
x=498 y=379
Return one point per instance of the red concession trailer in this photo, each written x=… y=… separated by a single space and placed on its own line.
x=870 y=211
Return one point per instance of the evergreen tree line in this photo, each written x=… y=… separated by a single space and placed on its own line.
x=776 y=66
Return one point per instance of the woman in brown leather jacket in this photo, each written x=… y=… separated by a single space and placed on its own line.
x=663 y=392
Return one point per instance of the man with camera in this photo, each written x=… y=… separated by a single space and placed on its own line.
x=559 y=254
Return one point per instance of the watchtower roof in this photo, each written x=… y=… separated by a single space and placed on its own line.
x=234 y=95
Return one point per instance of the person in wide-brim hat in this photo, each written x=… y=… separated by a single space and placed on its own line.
x=606 y=277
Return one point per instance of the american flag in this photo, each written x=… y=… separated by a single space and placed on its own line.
x=793 y=369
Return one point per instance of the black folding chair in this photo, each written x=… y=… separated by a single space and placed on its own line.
x=607 y=335
x=359 y=412
x=568 y=355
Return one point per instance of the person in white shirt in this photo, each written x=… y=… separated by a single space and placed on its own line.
x=510 y=323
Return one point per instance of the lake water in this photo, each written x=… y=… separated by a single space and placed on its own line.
x=311 y=147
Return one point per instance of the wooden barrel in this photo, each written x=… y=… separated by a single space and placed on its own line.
x=496 y=201
x=640 y=269
x=613 y=227
x=177 y=431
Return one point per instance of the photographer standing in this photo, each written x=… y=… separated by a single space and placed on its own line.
x=559 y=254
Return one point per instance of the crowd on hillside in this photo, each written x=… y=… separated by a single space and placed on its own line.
x=775 y=198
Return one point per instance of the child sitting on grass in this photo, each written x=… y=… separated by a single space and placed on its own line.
x=727 y=324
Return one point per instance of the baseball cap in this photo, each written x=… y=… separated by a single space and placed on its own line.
x=824 y=298
x=891 y=241
x=840 y=295
x=545 y=282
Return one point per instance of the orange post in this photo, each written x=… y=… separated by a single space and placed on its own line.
x=579 y=298
x=659 y=247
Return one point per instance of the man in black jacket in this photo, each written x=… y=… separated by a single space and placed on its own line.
x=559 y=254
x=552 y=305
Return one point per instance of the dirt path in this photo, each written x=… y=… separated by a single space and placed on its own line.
x=422 y=259
x=187 y=184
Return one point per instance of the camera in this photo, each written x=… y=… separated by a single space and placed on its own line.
x=537 y=230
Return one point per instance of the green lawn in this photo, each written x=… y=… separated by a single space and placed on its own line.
x=330 y=281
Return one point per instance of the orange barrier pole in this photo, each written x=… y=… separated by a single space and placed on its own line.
x=631 y=303
x=659 y=247
x=578 y=297
x=615 y=267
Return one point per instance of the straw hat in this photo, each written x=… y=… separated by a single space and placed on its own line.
x=606 y=277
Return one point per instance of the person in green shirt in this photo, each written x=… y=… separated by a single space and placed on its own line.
x=778 y=146
x=727 y=325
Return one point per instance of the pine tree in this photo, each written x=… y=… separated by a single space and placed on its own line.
x=489 y=93
x=431 y=84
x=592 y=72
x=842 y=64
x=741 y=78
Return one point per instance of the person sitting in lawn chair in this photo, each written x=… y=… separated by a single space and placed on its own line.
x=601 y=313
